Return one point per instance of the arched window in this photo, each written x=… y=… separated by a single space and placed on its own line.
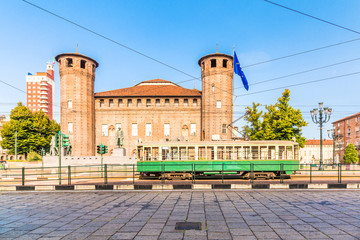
x=69 y=62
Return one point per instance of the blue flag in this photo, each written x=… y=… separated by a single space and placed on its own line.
x=238 y=71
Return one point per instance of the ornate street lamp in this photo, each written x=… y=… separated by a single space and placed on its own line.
x=324 y=117
x=334 y=137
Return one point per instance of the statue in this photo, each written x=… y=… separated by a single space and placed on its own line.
x=119 y=138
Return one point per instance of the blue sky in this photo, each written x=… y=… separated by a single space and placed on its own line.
x=178 y=33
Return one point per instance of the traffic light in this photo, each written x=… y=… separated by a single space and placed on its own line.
x=98 y=149
x=105 y=149
x=65 y=140
x=57 y=140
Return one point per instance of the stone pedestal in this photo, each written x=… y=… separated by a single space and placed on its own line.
x=118 y=152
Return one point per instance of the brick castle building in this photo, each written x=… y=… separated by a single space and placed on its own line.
x=153 y=110
x=40 y=91
x=347 y=130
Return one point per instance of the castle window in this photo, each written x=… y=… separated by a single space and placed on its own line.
x=225 y=63
x=186 y=102
x=203 y=66
x=193 y=129
x=218 y=104
x=70 y=104
x=167 y=129
x=104 y=130
x=138 y=103
x=157 y=102
x=101 y=102
x=213 y=88
x=129 y=102
x=148 y=102
x=349 y=131
x=70 y=127
x=111 y=102
x=148 y=130
x=69 y=62
x=195 y=102
x=224 y=128
x=82 y=64
x=134 y=129
x=167 y=102
x=176 y=101
x=213 y=63
x=120 y=103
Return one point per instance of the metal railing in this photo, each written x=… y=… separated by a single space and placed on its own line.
x=219 y=172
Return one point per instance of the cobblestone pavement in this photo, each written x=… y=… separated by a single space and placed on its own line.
x=263 y=214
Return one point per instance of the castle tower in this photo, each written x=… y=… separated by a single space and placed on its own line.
x=216 y=105
x=77 y=76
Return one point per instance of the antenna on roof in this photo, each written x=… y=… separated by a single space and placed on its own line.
x=217 y=48
x=77 y=48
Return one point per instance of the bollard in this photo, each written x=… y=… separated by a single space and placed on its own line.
x=222 y=173
x=69 y=175
x=339 y=173
x=251 y=172
x=281 y=172
x=23 y=176
x=133 y=173
x=105 y=174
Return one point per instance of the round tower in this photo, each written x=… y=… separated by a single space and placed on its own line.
x=77 y=76
x=216 y=104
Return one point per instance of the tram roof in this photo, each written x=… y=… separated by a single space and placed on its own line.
x=218 y=143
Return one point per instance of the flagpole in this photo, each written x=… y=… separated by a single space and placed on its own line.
x=232 y=92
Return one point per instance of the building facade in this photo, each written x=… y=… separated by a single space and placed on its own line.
x=153 y=110
x=347 y=130
x=40 y=91
x=310 y=153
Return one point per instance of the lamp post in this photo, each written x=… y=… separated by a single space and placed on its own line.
x=334 y=137
x=324 y=117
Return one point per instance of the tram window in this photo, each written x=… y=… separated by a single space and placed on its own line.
x=255 y=152
x=282 y=152
x=271 y=152
x=191 y=153
x=263 y=153
x=289 y=153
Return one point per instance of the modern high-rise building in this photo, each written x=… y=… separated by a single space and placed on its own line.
x=40 y=89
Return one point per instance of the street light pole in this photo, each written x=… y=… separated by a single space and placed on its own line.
x=15 y=145
x=334 y=137
x=324 y=117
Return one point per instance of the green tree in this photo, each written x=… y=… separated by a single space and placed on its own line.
x=351 y=155
x=280 y=121
x=34 y=131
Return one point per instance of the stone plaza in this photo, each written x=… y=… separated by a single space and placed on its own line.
x=223 y=214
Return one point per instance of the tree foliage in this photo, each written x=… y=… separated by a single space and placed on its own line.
x=351 y=155
x=34 y=131
x=280 y=121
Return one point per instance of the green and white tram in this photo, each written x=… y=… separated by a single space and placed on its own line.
x=182 y=160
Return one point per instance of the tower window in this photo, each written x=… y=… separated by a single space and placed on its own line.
x=225 y=63
x=186 y=102
x=203 y=66
x=224 y=128
x=69 y=62
x=213 y=63
x=70 y=104
x=82 y=64
x=111 y=103
x=218 y=104
x=194 y=102
x=130 y=103
x=101 y=102
x=120 y=103
x=148 y=102
x=167 y=102
x=176 y=101
x=157 y=102
x=138 y=103
x=213 y=88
